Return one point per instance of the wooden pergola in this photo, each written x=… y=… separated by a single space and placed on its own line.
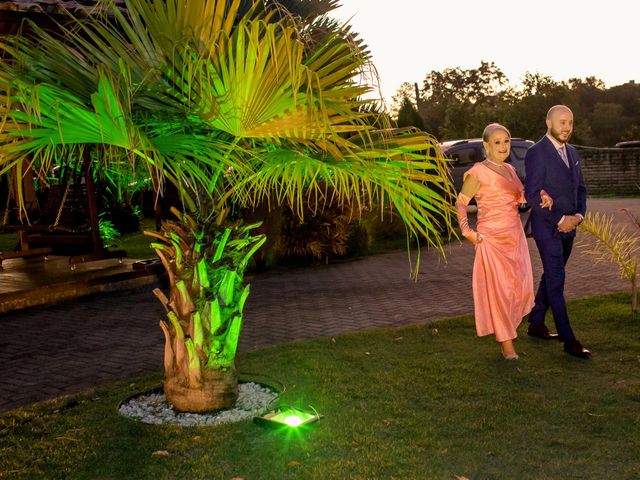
x=45 y=13
x=35 y=240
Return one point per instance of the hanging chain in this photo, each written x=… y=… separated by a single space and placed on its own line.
x=64 y=198
x=5 y=217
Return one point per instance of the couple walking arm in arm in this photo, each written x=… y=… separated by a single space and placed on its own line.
x=502 y=275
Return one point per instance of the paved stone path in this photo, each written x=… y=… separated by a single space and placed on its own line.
x=51 y=351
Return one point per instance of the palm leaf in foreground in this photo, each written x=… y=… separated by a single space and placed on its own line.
x=613 y=243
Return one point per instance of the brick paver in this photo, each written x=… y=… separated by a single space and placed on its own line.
x=63 y=349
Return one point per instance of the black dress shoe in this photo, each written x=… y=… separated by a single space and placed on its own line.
x=541 y=331
x=575 y=348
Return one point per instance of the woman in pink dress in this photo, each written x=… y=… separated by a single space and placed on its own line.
x=502 y=276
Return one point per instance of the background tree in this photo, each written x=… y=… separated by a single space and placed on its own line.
x=408 y=115
x=405 y=91
x=448 y=97
x=607 y=120
x=458 y=103
x=627 y=95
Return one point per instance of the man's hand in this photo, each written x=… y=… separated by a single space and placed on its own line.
x=545 y=200
x=569 y=223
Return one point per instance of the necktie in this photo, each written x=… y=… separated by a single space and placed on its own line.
x=563 y=155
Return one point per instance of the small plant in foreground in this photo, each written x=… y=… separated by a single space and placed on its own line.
x=614 y=243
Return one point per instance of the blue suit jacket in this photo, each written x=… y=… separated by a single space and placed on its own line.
x=546 y=170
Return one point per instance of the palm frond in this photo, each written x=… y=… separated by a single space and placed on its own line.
x=222 y=103
x=396 y=170
x=612 y=243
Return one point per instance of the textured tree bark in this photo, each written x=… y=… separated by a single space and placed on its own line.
x=218 y=390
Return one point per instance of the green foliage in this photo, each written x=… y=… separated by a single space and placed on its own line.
x=607 y=122
x=400 y=403
x=408 y=115
x=460 y=84
x=107 y=231
x=189 y=99
x=324 y=233
x=459 y=103
x=121 y=187
x=616 y=244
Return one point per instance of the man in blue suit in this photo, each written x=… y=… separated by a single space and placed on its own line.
x=553 y=165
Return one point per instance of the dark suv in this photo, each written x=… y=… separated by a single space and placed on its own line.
x=464 y=153
x=628 y=144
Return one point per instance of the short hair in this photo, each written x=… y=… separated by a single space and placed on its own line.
x=555 y=108
x=492 y=127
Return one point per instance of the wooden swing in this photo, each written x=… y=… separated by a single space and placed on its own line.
x=68 y=224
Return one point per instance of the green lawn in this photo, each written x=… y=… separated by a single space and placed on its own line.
x=424 y=402
x=8 y=242
x=137 y=244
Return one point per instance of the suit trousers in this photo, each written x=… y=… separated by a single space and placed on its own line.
x=554 y=253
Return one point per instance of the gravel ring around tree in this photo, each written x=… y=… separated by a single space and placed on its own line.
x=153 y=408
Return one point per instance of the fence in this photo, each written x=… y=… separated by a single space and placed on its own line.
x=611 y=171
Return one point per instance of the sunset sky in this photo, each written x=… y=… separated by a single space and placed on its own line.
x=561 y=39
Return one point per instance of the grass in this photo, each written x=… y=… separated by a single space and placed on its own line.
x=137 y=244
x=8 y=242
x=423 y=402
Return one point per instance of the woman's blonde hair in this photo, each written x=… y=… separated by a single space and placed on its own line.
x=492 y=127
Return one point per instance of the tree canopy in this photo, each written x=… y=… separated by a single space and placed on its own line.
x=458 y=103
x=238 y=101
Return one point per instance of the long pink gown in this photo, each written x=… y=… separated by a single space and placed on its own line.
x=502 y=275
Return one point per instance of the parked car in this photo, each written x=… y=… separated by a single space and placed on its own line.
x=628 y=144
x=464 y=153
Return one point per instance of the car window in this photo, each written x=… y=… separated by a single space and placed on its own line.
x=465 y=156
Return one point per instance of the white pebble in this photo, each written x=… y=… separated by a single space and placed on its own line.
x=253 y=399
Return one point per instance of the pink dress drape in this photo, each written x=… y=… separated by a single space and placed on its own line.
x=502 y=275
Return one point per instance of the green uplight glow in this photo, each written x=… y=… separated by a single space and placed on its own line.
x=293 y=421
x=290 y=417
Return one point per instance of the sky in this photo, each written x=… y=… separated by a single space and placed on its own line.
x=561 y=39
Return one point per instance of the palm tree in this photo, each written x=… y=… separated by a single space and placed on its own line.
x=234 y=108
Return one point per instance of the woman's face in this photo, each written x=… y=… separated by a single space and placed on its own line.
x=498 y=146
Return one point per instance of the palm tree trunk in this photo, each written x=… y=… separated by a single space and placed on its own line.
x=219 y=389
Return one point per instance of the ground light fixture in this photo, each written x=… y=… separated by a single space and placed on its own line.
x=289 y=417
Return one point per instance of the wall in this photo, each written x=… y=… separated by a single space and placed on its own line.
x=611 y=171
